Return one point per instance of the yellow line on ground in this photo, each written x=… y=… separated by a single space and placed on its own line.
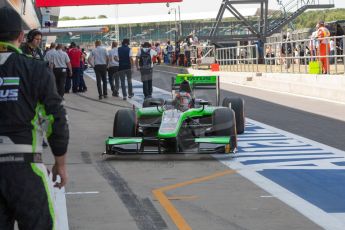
x=197 y=180
x=176 y=217
x=182 y=197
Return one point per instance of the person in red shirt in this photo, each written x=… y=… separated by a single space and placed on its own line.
x=75 y=56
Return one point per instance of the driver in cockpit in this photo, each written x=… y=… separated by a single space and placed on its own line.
x=183 y=98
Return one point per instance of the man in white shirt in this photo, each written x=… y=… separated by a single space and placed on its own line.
x=144 y=64
x=100 y=58
x=60 y=62
x=113 y=68
x=48 y=56
x=332 y=47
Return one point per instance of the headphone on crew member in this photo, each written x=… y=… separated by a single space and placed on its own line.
x=32 y=34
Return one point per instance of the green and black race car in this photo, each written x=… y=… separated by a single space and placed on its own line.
x=183 y=124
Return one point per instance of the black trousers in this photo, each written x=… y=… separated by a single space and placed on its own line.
x=113 y=75
x=60 y=79
x=101 y=77
x=23 y=197
x=146 y=78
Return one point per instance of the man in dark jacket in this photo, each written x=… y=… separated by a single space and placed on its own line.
x=27 y=93
x=125 y=65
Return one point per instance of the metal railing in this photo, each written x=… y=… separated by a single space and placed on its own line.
x=239 y=58
x=246 y=58
x=202 y=55
x=278 y=59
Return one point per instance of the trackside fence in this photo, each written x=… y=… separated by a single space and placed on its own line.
x=293 y=56
x=239 y=58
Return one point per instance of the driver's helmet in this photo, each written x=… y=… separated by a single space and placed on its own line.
x=183 y=97
x=183 y=100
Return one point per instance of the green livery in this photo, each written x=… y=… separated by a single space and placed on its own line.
x=183 y=124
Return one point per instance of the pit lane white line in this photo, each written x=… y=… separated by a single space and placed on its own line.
x=81 y=193
x=61 y=209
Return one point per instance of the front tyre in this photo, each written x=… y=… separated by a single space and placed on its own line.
x=224 y=124
x=124 y=123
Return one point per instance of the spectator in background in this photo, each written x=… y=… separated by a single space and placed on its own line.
x=49 y=53
x=159 y=53
x=82 y=85
x=100 y=60
x=181 y=56
x=313 y=45
x=177 y=52
x=187 y=48
x=32 y=46
x=286 y=51
x=113 y=69
x=61 y=63
x=74 y=55
x=332 y=47
x=125 y=65
x=323 y=38
x=144 y=64
x=169 y=51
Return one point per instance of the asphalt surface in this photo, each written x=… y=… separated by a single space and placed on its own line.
x=118 y=192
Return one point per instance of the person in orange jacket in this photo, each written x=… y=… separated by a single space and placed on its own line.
x=324 y=49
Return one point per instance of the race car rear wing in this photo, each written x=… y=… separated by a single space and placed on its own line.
x=198 y=83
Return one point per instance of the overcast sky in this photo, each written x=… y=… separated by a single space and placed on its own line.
x=187 y=6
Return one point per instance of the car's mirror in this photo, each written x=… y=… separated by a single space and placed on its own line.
x=156 y=102
x=203 y=103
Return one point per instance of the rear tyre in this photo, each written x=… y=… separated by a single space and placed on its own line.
x=147 y=102
x=124 y=123
x=236 y=104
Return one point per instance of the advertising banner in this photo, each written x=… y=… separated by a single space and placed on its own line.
x=58 y=3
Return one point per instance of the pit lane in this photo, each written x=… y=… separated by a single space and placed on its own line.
x=125 y=184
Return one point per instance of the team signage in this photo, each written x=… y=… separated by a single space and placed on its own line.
x=195 y=79
x=9 y=88
x=58 y=3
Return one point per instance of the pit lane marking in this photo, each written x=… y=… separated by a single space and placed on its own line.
x=176 y=217
x=81 y=193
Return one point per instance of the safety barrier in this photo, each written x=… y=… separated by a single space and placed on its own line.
x=303 y=54
x=238 y=59
x=300 y=56
x=202 y=55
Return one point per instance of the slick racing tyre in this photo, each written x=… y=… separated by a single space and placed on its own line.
x=223 y=122
x=124 y=123
x=236 y=104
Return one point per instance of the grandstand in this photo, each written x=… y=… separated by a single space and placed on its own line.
x=154 y=28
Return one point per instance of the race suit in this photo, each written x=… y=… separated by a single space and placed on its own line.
x=27 y=93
